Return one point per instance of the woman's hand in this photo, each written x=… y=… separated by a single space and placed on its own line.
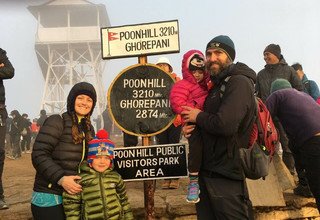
x=69 y=184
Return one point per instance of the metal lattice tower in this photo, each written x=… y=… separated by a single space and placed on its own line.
x=68 y=49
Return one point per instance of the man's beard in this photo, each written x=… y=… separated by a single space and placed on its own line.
x=216 y=71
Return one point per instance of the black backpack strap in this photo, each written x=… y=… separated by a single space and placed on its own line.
x=223 y=86
x=232 y=139
x=247 y=124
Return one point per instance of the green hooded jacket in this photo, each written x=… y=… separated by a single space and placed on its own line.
x=103 y=196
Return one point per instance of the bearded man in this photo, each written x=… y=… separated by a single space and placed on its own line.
x=224 y=125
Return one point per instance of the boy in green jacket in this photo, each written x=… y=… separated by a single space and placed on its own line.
x=103 y=193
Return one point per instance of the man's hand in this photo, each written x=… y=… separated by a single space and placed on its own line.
x=70 y=185
x=190 y=114
x=1 y=65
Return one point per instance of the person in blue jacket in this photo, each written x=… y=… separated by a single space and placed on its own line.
x=310 y=86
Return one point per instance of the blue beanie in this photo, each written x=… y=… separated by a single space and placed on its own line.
x=224 y=43
x=280 y=84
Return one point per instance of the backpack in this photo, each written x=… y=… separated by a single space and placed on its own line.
x=263 y=140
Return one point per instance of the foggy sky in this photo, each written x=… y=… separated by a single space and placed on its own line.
x=251 y=24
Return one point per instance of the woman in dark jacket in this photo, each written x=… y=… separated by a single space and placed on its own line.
x=59 y=148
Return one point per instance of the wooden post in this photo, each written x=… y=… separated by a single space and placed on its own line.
x=149 y=185
x=149 y=189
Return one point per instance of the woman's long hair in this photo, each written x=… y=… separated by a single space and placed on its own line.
x=83 y=130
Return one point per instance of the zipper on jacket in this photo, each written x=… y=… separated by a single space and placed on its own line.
x=83 y=154
x=83 y=146
x=103 y=197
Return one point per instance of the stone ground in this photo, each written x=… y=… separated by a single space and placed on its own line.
x=18 y=180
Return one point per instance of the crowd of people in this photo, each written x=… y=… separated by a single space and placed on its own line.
x=74 y=165
x=21 y=133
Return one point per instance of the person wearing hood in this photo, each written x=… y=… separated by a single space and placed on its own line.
x=191 y=91
x=15 y=134
x=224 y=125
x=172 y=134
x=59 y=148
x=277 y=68
x=42 y=118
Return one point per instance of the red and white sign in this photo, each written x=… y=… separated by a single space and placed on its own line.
x=141 y=39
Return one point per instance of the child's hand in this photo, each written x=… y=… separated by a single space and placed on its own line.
x=187 y=129
x=69 y=184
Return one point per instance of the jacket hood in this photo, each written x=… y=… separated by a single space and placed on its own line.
x=186 y=73
x=82 y=88
x=43 y=112
x=235 y=69
x=15 y=113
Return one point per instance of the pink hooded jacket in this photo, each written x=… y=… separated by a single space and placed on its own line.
x=187 y=92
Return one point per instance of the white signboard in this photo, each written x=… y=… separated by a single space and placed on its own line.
x=141 y=39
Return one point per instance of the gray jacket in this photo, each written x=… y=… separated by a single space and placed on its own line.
x=272 y=72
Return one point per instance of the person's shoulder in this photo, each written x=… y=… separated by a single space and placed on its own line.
x=180 y=83
x=54 y=117
x=53 y=120
x=242 y=79
x=289 y=68
x=312 y=82
x=65 y=116
x=2 y=52
x=262 y=72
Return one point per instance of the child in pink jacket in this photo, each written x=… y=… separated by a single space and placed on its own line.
x=192 y=91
